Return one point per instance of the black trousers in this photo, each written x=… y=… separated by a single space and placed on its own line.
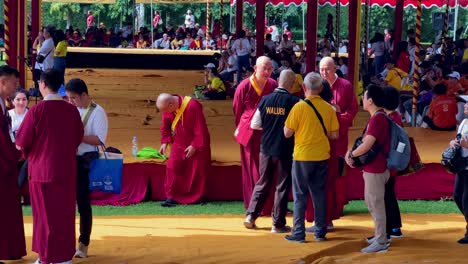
x=460 y=194
x=392 y=210
x=431 y=124
x=83 y=200
x=267 y=167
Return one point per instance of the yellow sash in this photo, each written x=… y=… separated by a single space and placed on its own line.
x=255 y=85
x=180 y=112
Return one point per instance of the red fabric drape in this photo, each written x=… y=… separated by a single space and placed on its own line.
x=392 y=3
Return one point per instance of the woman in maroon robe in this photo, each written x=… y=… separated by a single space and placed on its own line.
x=12 y=243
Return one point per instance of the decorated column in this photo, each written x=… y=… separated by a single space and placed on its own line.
x=416 y=63
x=311 y=34
x=35 y=22
x=444 y=33
x=207 y=31
x=337 y=28
x=22 y=41
x=11 y=32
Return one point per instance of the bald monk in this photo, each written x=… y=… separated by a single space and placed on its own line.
x=345 y=103
x=49 y=137
x=184 y=128
x=246 y=99
x=12 y=243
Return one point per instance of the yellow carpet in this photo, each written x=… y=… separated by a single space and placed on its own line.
x=223 y=239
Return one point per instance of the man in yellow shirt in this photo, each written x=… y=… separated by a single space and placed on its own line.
x=60 y=54
x=312 y=122
x=215 y=89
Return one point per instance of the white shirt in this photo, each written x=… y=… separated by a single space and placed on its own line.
x=189 y=21
x=2 y=104
x=378 y=48
x=256 y=122
x=241 y=50
x=344 y=69
x=16 y=119
x=47 y=50
x=463 y=130
x=343 y=49
x=232 y=60
x=97 y=126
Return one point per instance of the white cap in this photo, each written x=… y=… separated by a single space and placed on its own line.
x=224 y=36
x=210 y=65
x=454 y=74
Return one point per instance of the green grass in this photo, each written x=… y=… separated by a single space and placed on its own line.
x=222 y=208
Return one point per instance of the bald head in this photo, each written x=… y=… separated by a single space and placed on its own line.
x=263 y=68
x=286 y=79
x=167 y=102
x=328 y=69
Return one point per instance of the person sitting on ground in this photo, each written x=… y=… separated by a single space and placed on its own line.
x=453 y=84
x=141 y=43
x=215 y=89
x=394 y=76
x=163 y=43
x=177 y=43
x=442 y=110
x=187 y=42
x=196 y=43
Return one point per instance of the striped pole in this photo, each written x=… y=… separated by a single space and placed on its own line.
x=207 y=31
x=337 y=28
x=366 y=36
x=6 y=8
x=444 y=33
x=221 y=18
x=416 y=64
x=22 y=40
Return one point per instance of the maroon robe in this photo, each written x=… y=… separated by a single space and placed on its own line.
x=245 y=104
x=345 y=98
x=185 y=177
x=12 y=243
x=49 y=136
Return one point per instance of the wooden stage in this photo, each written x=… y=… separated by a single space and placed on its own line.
x=132 y=58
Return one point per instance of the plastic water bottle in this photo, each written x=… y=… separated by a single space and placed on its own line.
x=134 y=146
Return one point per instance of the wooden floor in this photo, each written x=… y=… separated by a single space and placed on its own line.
x=128 y=97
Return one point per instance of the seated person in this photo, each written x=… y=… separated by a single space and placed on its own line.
x=297 y=86
x=163 y=43
x=209 y=43
x=394 y=76
x=177 y=43
x=187 y=41
x=442 y=110
x=453 y=84
x=196 y=43
x=141 y=43
x=215 y=89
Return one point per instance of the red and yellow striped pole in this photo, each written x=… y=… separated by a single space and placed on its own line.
x=444 y=33
x=22 y=40
x=6 y=9
x=337 y=28
x=221 y=17
x=366 y=36
x=207 y=31
x=416 y=63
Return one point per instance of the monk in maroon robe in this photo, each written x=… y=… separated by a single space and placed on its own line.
x=184 y=128
x=49 y=137
x=345 y=102
x=12 y=243
x=246 y=99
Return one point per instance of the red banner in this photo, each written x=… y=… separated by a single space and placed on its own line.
x=412 y=3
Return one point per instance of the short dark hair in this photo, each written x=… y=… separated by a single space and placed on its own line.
x=377 y=95
x=22 y=91
x=6 y=70
x=392 y=98
x=440 y=89
x=52 y=79
x=326 y=94
x=77 y=86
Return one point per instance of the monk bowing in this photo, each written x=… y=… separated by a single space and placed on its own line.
x=184 y=128
x=12 y=244
x=49 y=137
x=246 y=99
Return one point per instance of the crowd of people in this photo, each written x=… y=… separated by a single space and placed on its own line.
x=288 y=123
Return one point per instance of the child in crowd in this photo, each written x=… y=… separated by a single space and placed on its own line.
x=215 y=89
